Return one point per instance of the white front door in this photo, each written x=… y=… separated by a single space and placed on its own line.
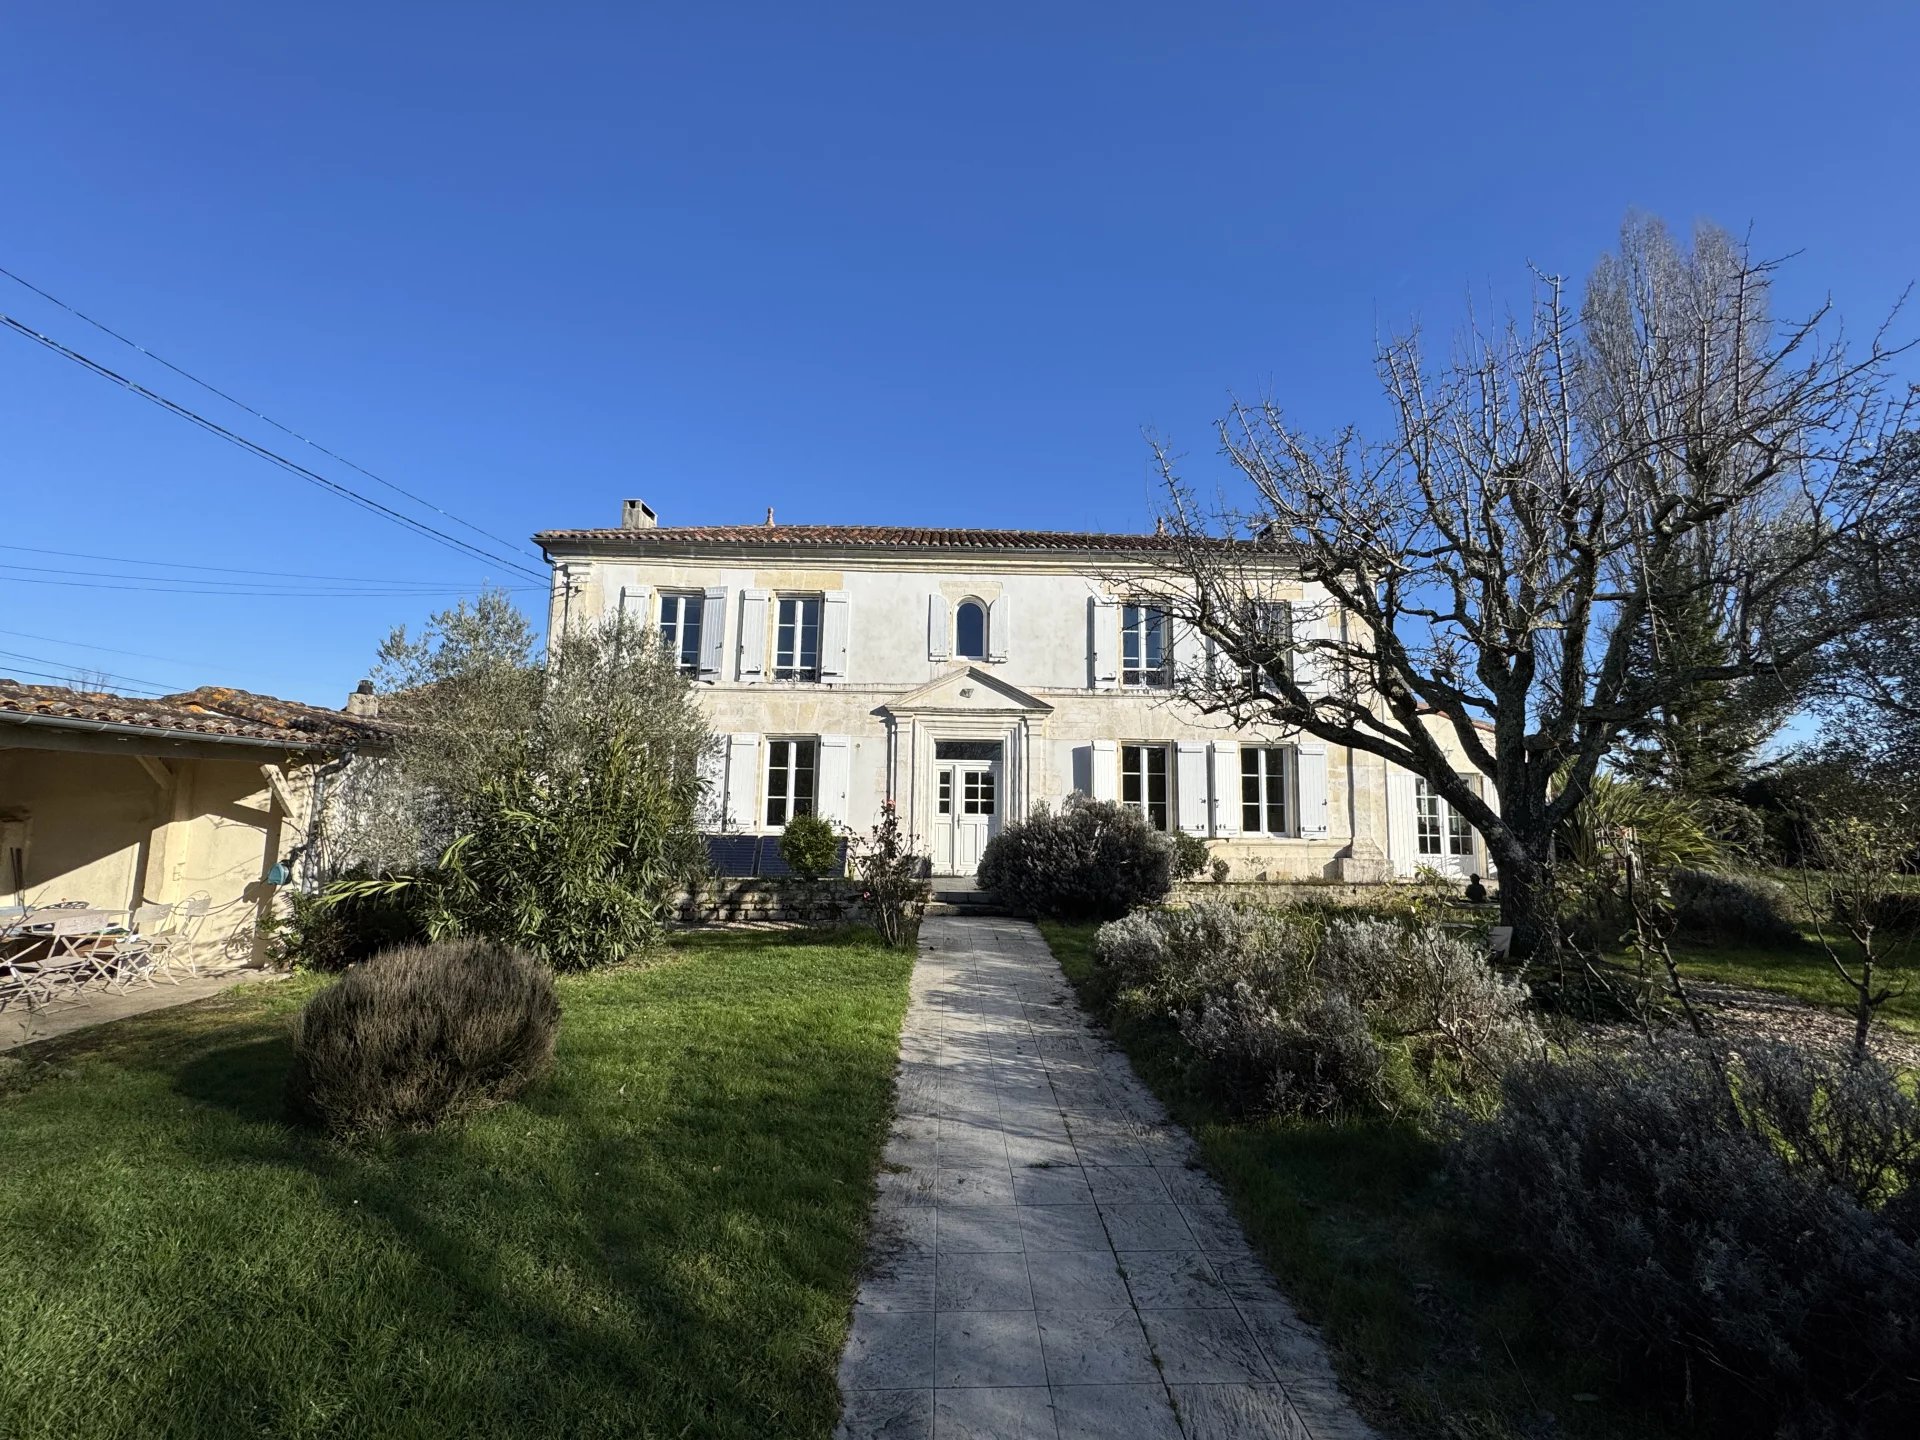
x=966 y=813
x=1444 y=840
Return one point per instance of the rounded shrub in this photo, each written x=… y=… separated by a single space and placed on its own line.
x=1091 y=860
x=421 y=1035
x=1731 y=1228
x=1712 y=907
x=810 y=846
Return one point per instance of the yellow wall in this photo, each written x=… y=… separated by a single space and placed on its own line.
x=104 y=829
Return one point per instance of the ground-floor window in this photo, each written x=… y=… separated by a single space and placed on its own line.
x=1143 y=782
x=1442 y=829
x=790 y=765
x=1263 y=789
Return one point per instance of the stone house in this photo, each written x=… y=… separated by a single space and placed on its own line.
x=117 y=801
x=970 y=675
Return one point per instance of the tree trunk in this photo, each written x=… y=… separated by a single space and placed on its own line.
x=1526 y=894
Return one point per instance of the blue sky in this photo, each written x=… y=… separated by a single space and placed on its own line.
x=880 y=263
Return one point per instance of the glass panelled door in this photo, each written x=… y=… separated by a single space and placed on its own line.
x=1446 y=841
x=966 y=804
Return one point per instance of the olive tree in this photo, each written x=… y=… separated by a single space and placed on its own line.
x=554 y=807
x=1492 y=560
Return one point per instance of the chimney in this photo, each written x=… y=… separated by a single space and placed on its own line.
x=637 y=515
x=363 y=702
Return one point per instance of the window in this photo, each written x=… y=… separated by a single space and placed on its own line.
x=1263 y=789
x=966 y=749
x=946 y=792
x=976 y=792
x=1143 y=782
x=796 y=639
x=680 y=628
x=970 y=630
x=789 y=780
x=1441 y=829
x=1270 y=629
x=1143 y=646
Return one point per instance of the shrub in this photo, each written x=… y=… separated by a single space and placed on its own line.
x=1278 y=1016
x=1189 y=855
x=1712 y=907
x=1221 y=870
x=1170 y=960
x=810 y=846
x=1092 y=860
x=893 y=881
x=1321 y=1060
x=324 y=934
x=1460 y=1022
x=1681 y=1222
x=422 y=1034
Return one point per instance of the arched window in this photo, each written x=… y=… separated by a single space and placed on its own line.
x=970 y=630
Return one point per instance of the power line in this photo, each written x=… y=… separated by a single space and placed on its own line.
x=133 y=681
x=259 y=415
x=174 y=660
x=231 y=594
x=161 y=582
x=272 y=457
x=230 y=569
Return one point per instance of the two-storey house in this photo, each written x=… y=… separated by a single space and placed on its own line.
x=970 y=675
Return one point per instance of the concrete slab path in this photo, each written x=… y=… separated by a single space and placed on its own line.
x=1047 y=1262
x=99 y=1005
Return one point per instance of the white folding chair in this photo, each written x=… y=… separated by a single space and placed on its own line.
x=148 y=945
x=189 y=916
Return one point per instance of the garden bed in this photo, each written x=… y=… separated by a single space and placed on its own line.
x=660 y=1239
x=1432 y=1336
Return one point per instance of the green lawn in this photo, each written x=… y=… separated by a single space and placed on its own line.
x=660 y=1240
x=1436 y=1336
x=1806 y=972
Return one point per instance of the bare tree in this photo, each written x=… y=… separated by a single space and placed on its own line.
x=1492 y=562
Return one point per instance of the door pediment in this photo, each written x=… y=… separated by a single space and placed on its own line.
x=965 y=692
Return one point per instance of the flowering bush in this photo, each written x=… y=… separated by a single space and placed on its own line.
x=892 y=879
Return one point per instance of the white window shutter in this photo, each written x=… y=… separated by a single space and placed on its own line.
x=1403 y=836
x=998 y=635
x=753 y=635
x=1310 y=790
x=1103 y=625
x=743 y=781
x=834 y=778
x=1311 y=668
x=1226 y=788
x=713 y=632
x=713 y=784
x=1106 y=769
x=939 y=628
x=836 y=628
x=1190 y=785
x=636 y=604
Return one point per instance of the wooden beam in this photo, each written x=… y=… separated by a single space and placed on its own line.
x=277 y=785
x=157 y=770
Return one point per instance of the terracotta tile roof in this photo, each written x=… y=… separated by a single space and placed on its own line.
x=213 y=711
x=876 y=537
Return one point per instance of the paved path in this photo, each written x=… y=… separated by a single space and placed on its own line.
x=1046 y=1263
x=97 y=1005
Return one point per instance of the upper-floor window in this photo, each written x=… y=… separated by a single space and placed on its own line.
x=680 y=627
x=1144 y=782
x=796 y=638
x=1143 y=646
x=1263 y=789
x=970 y=630
x=790 y=770
x=1270 y=629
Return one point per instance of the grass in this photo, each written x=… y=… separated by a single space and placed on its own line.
x=1434 y=1334
x=659 y=1240
x=1804 y=971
